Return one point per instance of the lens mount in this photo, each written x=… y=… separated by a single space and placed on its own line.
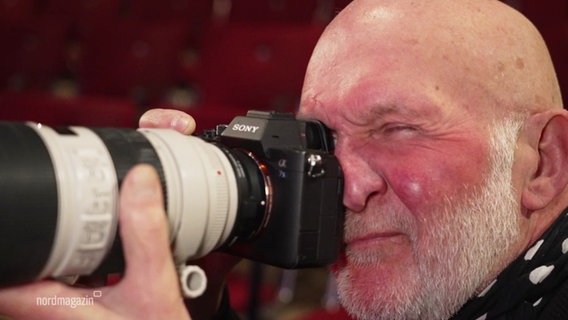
x=254 y=194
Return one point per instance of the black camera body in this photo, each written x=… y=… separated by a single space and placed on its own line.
x=304 y=180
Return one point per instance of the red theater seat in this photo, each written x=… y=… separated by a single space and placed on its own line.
x=246 y=66
x=195 y=13
x=273 y=11
x=84 y=14
x=340 y=4
x=545 y=12
x=100 y=111
x=551 y=19
x=33 y=53
x=556 y=37
x=131 y=58
x=45 y=108
x=31 y=106
x=17 y=10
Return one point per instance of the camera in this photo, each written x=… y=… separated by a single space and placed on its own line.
x=265 y=187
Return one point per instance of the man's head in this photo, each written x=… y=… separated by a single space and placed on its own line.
x=451 y=136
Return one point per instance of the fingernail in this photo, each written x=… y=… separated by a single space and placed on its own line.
x=180 y=124
x=144 y=184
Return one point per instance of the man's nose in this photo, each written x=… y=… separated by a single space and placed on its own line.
x=362 y=182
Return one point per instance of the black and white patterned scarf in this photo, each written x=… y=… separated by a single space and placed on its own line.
x=528 y=284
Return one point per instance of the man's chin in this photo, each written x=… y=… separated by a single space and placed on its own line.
x=376 y=291
x=383 y=270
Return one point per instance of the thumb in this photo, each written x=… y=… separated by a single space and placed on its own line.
x=143 y=225
x=150 y=287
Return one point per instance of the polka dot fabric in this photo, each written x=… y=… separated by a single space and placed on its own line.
x=527 y=286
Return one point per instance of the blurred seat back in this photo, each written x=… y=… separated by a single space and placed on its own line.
x=246 y=66
x=84 y=15
x=33 y=52
x=273 y=11
x=42 y=107
x=131 y=58
x=15 y=11
x=545 y=12
x=196 y=14
x=551 y=19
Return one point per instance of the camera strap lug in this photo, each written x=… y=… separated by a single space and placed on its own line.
x=193 y=280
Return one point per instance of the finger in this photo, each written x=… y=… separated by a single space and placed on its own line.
x=150 y=286
x=143 y=225
x=168 y=118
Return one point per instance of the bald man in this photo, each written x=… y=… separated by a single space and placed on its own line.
x=454 y=146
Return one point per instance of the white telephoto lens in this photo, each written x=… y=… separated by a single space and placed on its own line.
x=200 y=192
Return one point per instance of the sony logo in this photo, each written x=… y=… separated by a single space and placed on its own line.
x=245 y=128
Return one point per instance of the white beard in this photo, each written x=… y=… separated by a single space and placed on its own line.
x=470 y=237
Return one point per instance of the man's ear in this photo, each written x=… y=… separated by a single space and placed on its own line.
x=551 y=175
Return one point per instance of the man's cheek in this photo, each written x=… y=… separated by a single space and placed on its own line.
x=419 y=191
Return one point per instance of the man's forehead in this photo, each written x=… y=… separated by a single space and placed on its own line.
x=369 y=101
x=374 y=30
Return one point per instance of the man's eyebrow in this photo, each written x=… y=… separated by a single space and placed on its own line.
x=381 y=111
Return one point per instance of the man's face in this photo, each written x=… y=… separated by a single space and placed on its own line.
x=450 y=259
x=431 y=215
